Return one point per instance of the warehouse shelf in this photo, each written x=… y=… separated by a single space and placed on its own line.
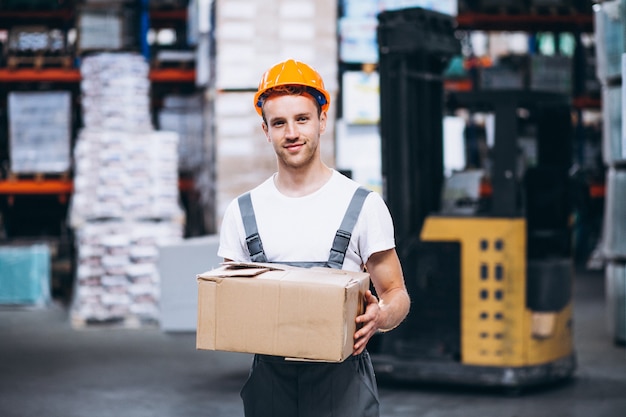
x=526 y=22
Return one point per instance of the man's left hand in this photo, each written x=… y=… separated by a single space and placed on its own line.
x=368 y=323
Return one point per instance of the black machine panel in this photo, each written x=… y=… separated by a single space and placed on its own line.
x=432 y=328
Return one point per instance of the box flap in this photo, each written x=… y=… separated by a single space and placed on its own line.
x=238 y=270
x=226 y=272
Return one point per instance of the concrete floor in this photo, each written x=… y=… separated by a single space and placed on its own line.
x=48 y=369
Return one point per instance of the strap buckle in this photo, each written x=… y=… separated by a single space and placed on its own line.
x=255 y=247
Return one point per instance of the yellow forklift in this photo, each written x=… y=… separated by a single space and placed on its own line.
x=491 y=282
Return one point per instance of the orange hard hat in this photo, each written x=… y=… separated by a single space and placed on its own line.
x=292 y=72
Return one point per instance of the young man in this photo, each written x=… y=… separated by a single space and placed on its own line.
x=293 y=218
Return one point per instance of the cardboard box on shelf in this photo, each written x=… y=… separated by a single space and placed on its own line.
x=300 y=313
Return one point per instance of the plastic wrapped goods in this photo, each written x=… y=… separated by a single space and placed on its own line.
x=117 y=278
x=183 y=115
x=40 y=131
x=25 y=274
x=615 y=215
x=609 y=30
x=615 y=277
x=612 y=146
x=116 y=92
x=123 y=175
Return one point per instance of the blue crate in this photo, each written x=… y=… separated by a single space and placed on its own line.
x=25 y=274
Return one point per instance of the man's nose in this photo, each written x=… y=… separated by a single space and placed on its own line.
x=292 y=130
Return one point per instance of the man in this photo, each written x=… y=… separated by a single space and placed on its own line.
x=293 y=218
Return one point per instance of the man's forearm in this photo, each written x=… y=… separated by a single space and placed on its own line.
x=394 y=306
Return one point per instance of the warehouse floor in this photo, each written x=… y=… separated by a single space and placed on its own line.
x=48 y=369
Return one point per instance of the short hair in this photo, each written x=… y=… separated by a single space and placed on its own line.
x=287 y=90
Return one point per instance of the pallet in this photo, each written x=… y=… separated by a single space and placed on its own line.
x=40 y=61
x=38 y=176
x=174 y=59
x=132 y=322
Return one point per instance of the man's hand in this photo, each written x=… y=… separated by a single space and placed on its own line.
x=368 y=323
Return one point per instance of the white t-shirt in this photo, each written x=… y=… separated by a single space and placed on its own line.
x=302 y=229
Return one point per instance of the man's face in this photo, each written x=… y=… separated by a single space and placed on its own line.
x=294 y=128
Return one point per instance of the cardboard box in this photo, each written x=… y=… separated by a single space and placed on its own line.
x=279 y=310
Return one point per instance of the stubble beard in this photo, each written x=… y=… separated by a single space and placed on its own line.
x=304 y=158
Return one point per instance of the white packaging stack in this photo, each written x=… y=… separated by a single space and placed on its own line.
x=106 y=27
x=612 y=143
x=115 y=92
x=40 y=131
x=125 y=200
x=125 y=175
x=248 y=45
x=609 y=34
x=117 y=278
x=184 y=115
x=615 y=294
x=615 y=215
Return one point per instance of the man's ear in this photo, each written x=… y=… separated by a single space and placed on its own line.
x=266 y=131
x=323 y=118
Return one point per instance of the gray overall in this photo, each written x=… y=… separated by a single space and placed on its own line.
x=281 y=388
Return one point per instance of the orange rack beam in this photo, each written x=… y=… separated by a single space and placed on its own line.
x=47 y=186
x=46 y=75
x=173 y=75
x=165 y=75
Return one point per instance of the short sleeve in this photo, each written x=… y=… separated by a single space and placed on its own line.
x=232 y=235
x=375 y=227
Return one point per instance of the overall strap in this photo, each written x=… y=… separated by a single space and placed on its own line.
x=253 y=240
x=344 y=233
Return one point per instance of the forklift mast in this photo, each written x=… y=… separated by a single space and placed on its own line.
x=414 y=47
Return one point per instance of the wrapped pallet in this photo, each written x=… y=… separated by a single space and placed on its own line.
x=125 y=200
x=117 y=279
x=615 y=214
x=609 y=33
x=40 y=126
x=616 y=300
x=106 y=27
x=115 y=92
x=25 y=277
x=184 y=115
x=612 y=144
